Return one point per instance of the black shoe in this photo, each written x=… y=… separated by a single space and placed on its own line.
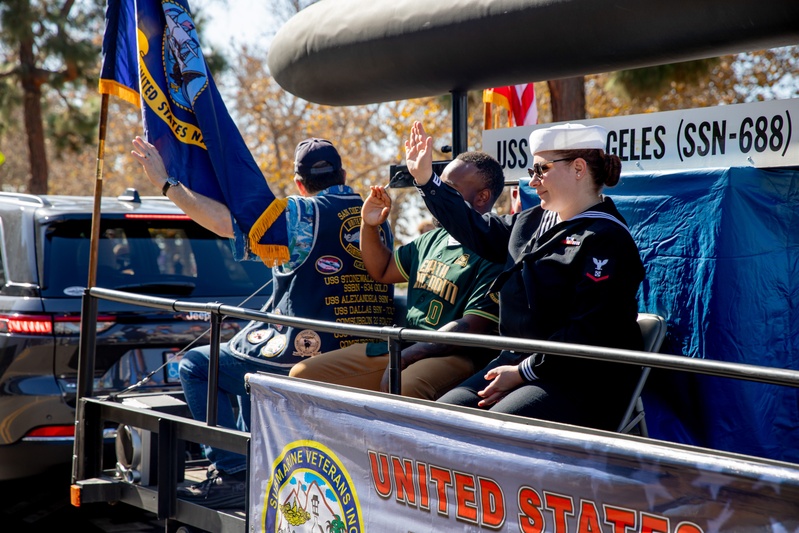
x=220 y=491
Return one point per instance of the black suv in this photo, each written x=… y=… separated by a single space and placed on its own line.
x=148 y=246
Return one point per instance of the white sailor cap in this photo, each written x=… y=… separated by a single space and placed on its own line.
x=568 y=137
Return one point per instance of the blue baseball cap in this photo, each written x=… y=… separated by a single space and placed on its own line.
x=311 y=152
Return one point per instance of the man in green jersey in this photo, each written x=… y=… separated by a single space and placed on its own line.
x=447 y=291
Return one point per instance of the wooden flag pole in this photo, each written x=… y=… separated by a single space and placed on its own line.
x=488 y=118
x=98 y=193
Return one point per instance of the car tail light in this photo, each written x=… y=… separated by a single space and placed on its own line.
x=66 y=431
x=26 y=324
x=49 y=432
x=19 y=324
x=139 y=216
x=70 y=324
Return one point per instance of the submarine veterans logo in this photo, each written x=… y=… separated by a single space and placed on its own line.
x=310 y=490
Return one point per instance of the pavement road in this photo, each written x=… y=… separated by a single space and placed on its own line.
x=40 y=504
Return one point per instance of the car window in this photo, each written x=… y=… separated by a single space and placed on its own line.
x=161 y=256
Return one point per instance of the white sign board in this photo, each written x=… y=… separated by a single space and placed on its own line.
x=758 y=135
x=336 y=459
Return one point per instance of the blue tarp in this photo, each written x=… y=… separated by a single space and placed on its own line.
x=721 y=251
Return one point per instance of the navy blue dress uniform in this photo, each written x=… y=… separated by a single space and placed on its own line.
x=573 y=280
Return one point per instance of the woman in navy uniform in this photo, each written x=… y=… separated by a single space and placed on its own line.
x=572 y=271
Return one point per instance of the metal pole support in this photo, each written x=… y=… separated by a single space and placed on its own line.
x=212 y=411
x=394 y=366
x=460 y=123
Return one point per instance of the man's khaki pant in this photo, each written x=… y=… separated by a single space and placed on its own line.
x=428 y=379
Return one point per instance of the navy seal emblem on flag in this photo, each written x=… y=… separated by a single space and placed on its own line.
x=184 y=64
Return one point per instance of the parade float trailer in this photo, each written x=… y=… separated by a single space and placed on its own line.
x=709 y=195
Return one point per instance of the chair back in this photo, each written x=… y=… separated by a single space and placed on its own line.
x=653 y=331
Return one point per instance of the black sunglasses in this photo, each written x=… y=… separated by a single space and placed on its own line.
x=538 y=168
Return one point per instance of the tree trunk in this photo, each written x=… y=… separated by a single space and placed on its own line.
x=34 y=125
x=568 y=98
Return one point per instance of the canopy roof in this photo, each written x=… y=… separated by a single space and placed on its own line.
x=351 y=52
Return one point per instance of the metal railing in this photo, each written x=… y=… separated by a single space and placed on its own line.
x=172 y=429
x=397 y=335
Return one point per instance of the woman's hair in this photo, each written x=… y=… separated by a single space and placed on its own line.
x=605 y=168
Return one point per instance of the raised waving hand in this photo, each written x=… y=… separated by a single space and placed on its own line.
x=419 y=154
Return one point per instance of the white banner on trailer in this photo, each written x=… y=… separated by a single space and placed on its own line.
x=757 y=135
x=336 y=459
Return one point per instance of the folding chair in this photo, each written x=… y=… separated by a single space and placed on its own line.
x=653 y=330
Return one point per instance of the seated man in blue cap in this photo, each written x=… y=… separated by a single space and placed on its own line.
x=325 y=262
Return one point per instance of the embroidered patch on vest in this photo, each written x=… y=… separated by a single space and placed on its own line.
x=328 y=264
x=462 y=261
x=258 y=336
x=307 y=343
x=350 y=233
x=274 y=347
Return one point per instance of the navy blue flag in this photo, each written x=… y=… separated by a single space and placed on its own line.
x=120 y=72
x=154 y=54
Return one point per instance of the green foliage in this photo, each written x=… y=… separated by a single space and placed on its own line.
x=10 y=99
x=51 y=51
x=50 y=55
x=651 y=81
x=75 y=128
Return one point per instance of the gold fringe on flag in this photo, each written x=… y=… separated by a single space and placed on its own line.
x=121 y=91
x=270 y=254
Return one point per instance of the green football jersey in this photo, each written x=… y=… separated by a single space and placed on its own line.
x=445 y=281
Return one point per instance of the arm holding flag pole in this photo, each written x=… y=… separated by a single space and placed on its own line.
x=153 y=58
x=209 y=213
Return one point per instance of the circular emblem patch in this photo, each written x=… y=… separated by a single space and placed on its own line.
x=307 y=343
x=350 y=238
x=258 y=336
x=310 y=490
x=275 y=346
x=351 y=235
x=328 y=264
